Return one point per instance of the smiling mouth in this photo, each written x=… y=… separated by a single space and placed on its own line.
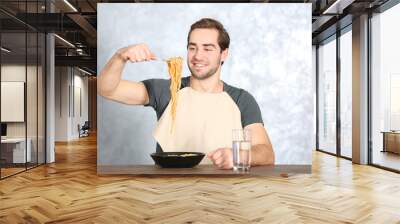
x=199 y=65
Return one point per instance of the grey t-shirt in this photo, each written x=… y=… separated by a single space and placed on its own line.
x=159 y=97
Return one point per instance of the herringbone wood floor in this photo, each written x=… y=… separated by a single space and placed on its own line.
x=69 y=191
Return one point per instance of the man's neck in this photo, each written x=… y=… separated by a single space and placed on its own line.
x=212 y=84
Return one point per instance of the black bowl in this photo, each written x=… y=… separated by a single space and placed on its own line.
x=177 y=159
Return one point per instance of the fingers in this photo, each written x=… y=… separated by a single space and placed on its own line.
x=149 y=54
x=221 y=158
x=211 y=154
x=223 y=163
x=137 y=53
x=153 y=56
x=217 y=154
x=219 y=162
x=140 y=55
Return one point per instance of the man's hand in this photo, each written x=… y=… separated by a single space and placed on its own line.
x=222 y=158
x=136 y=53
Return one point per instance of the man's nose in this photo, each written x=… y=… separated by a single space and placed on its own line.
x=198 y=54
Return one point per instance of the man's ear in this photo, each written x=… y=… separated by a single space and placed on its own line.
x=224 y=54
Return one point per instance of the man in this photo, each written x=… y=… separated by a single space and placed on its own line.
x=208 y=109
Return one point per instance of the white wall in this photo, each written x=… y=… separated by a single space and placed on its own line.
x=70 y=83
x=33 y=127
x=79 y=117
x=62 y=81
x=390 y=67
x=385 y=66
x=16 y=73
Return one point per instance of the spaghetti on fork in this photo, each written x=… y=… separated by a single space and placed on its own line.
x=175 y=73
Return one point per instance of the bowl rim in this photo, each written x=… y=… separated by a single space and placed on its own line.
x=164 y=154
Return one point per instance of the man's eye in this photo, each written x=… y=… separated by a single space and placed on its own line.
x=209 y=49
x=191 y=48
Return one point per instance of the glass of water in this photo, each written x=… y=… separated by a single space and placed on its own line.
x=241 y=148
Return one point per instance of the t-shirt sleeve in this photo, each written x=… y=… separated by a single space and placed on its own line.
x=249 y=109
x=159 y=95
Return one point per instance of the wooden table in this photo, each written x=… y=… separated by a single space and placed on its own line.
x=202 y=170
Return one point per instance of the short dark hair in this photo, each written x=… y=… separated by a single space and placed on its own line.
x=208 y=23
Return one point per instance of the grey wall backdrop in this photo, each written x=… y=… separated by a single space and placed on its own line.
x=270 y=56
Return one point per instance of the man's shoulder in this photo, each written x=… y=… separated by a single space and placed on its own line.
x=160 y=82
x=247 y=104
x=236 y=93
x=156 y=81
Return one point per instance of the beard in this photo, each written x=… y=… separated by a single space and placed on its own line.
x=205 y=75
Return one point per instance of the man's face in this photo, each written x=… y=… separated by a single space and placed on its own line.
x=204 y=54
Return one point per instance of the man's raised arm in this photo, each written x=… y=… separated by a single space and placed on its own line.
x=109 y=83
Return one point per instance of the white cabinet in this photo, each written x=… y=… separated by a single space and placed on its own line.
x=18 y=146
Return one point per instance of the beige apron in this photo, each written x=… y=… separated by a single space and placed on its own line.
x=203 y=123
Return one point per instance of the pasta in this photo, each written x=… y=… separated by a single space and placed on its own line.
x=183 y=155
x=175 y=73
